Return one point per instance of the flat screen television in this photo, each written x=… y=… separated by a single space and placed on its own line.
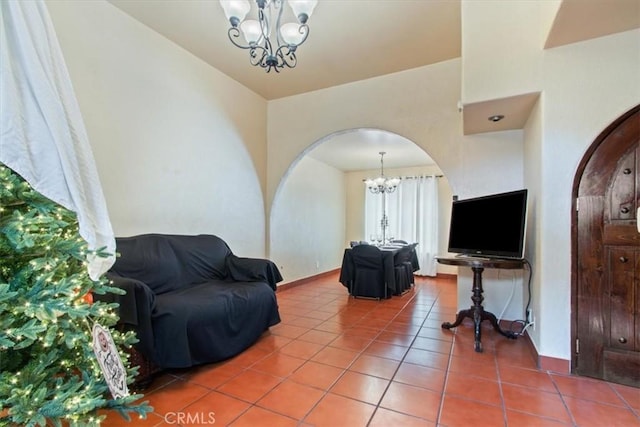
x=489 y=226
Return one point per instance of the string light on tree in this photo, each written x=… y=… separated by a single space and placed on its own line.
x=48 y=372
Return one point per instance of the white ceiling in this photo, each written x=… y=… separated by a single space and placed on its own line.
x=359 y=150
x=351 y=40
x=579 y=20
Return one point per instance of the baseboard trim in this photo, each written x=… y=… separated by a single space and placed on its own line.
x=554 y=364
x=546 y=363
x=305 y=280
x=448 y=276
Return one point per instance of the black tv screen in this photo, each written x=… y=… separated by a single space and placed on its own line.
x=491 y=226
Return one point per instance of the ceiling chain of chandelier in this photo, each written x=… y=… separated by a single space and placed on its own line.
x=382 y=184
x=270 y=47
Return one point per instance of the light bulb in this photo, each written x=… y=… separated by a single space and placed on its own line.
x=235 y=10
x=292 y=33
x=303 y=9
x=251 y=31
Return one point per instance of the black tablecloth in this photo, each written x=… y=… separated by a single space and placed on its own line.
x=389 y=258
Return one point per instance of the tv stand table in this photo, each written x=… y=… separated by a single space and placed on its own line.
x=477 y=313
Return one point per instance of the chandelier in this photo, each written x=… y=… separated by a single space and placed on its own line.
x=382 y=184
x=264 y=50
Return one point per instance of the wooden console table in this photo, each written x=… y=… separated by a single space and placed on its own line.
x=477 y=313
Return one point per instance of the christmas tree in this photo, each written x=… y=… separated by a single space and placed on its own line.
x=49 y=374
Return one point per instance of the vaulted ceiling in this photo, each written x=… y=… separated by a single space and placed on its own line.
x=351 y=40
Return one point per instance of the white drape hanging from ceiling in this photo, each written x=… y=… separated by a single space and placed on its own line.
x=412 y=212
x=43 y=137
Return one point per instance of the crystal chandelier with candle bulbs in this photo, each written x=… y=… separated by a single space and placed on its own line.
x=382 y=184
x=270 y=46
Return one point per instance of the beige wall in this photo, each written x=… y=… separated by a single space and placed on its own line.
x=174 y=150
x=533 y=179
x=420 y=105
x=502 y=48
x=584 y=87
x=308 y=220
x=587 y=86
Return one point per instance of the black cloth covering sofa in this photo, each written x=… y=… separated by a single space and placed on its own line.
x=190 y=299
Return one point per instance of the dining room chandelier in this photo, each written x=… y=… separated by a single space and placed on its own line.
x=382 y=184
x=270 y=47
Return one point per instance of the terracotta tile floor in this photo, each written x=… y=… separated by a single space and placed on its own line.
x=339 y=361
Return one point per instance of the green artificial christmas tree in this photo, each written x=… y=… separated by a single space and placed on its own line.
x=49 y=374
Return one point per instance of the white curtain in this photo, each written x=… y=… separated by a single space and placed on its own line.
x=42 y=134
x=372 y=209
x=412 y=212
x=374 y=206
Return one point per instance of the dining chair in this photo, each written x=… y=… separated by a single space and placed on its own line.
x=403 y=259
x=403 y=285
x=368 y=268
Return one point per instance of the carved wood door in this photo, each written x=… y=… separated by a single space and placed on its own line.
x=606 y=256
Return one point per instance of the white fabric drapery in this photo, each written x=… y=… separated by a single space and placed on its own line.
x=412 y=212
x=42 y=134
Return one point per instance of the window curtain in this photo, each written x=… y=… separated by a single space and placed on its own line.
x=412 y=212
x=374 y=205
x=43 y=137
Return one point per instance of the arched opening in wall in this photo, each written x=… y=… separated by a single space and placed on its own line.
x=319 y=205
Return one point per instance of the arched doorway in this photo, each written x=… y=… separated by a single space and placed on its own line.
x=606 y=256
x=320 y=202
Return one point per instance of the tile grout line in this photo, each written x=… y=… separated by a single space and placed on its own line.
x=564 y=403
x=446 y=377
x=255 y=404
x=499 y=379
x=402 y=361
x=345 y=369
x=326 y=392
x=624 y=400
x=377 y=406
x=359 y=353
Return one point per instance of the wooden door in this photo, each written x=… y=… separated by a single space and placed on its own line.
x=606 y=256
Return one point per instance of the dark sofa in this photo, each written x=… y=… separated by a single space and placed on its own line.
x=190 y=299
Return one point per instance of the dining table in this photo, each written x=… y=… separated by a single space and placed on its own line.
x=390 y=258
